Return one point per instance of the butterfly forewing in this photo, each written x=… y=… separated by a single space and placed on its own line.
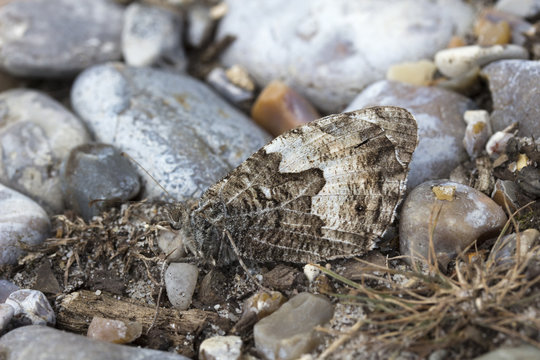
x=324 y=190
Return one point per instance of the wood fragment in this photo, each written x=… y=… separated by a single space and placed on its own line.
x=77 y=309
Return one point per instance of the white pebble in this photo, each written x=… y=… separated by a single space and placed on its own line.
x=180 y=282
x=33 y=306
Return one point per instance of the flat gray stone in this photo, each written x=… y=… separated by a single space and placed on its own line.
x=56 y=38
x=44 y=343
x=515 y=93
x=36 y=134
x=97 y=172
x=441 y=128
x=21 y=220
x=176 y=127
x=329 y=50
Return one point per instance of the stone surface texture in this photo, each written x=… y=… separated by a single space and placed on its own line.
x=180 y=282
x=53 y=38
x=289 y=332
x=36 y=133
x=439 y=114
x=31 y=307
x=515 y=90
x=175 y=127
x=21 y=220
x=465 y=215
x=329 y=50
x=52 y=344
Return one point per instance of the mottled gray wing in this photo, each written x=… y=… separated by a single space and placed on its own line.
x=325 y=190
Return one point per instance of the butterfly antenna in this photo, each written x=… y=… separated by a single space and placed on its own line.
x=124 y=154
x=242 y=264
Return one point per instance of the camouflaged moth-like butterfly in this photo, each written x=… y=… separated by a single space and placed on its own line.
x=325 y=190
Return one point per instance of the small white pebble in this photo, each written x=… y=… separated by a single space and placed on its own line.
x=98 y=292
x=311 y=272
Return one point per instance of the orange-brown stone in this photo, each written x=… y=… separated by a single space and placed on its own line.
x=279 y=108
x=114 y=331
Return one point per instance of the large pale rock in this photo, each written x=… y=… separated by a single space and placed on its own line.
x=51 y=38
x=21 y=221
x=439 y=114
x=289 y=332
x=44 y=343
x=174 y=126
x=36 y=134
x=515 y=93
x=329 y=50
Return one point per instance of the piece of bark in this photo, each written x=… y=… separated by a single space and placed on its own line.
x=77 y=309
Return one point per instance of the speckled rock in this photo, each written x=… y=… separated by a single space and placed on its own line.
x=152 y=35
x=180 y=282
x=97 y=172
x=514 y=90
x=36 y=133
x=52 y=344
x=52 y=38
x=6 y=288
x=178 y=129
x=439 y=114
x=31 y=307
x=21 y=220
x=329 y=50
x=221 y=348
x=525 y=352
x=289 y=332
x=465 y=215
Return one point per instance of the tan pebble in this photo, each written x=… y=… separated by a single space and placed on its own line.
x=456 y=41
x=490 y=32
x=444 y=192
x=279 y=108
x=505 y=193
x=114 y=331
x=415 y=73
x=240 y=77
x=451 y=226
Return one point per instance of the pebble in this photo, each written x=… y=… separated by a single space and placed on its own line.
x=414 y=73
x=522 y=8
x=36 y=133
x=31 y=307
x=279 y=108
x=289 y=332
x=174 y=126
x=328 y=50
x=259 y=306
x=114 y=331
x=477 y=132
x=505 y=192
x=200 y=25
x=52 y=344
x=439 y=114
x=236 y=94
x=489 y=32
x=497 y=143
x=97 y=172
x=152 y=36
x=54 y=38
x=518 y=25
x=180 y=282
x=6 y=288
x=514 y=89
x=506 y=252
x=6 y=314
x=21 y=220
x=465 y=216
x=212 y=288
x=221 y=348
x=524 y=352
x=171 y=244
x=458 y=61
